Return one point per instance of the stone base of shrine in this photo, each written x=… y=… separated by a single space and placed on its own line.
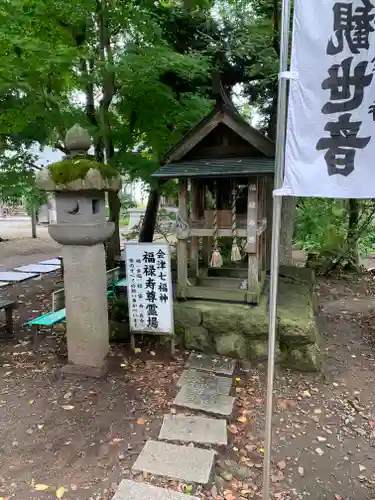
x=241 y=331
x=85 y=371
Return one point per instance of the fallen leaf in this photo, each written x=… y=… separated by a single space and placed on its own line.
x=141 y=421
x=281 y=465
x=40 y=426
x=301 y=471
x=242 y=419
x=338 y=497
x=67 y=407
x=261 y=450
x=275 y=478
x=361 y=468
x=232 y=429
x=238 y=379
x=306 y=394
x=228 y=495
x=321 y=439
x=317 y=411
x=319 y=451
x=137 y=350
x=41 y=487
x=31 y=402
x=68 y=395
x=116 y=440
x=60 y=492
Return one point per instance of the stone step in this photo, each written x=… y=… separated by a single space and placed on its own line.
x=215 y=364
x=184 y=463
x=130 y=490
x=205 y=381
x=206 y=401
x=201 y=430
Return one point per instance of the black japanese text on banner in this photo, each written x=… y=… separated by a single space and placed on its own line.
x=330 y=140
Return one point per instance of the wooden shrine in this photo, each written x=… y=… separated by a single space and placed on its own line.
x=225 y=170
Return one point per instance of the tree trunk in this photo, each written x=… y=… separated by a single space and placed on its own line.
x=146 y=234
x=287 y=230
x=289 y=204
x=353 y=209
x=108 y=92
x=33 y=221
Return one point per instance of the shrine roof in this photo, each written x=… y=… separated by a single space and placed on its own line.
x=217 y=167
x=246 y=149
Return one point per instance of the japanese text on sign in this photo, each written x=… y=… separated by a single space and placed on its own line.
x=150 y=288
x=347 y=82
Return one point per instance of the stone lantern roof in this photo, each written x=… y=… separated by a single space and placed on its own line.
x=78 y=171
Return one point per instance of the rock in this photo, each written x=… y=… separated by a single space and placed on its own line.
x=220 y=320
x=296 y=315
x=259 y=351
x=305 y=358
x=240 y=472
x=186 y=315
x=219 y=482
x=254 y=323
x=232 y=345
x=226 y=475
x=197 y=337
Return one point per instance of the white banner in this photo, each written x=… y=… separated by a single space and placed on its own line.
x=330 y=144
x=150 y=296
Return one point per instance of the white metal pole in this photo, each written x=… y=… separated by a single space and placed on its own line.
x=276 y=218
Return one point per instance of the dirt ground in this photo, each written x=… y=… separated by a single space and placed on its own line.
x=84 y=435
x=19 y=251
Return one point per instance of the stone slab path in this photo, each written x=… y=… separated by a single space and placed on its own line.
x=207 y=401
x=201 y=381
x=37 y=268
x=130 y=490
x=194 y=429
x=176 y=462
x=50 y=262
x=215 y=364
x=14 y=276
x=205 y=386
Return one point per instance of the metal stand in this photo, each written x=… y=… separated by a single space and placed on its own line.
x=276 y=218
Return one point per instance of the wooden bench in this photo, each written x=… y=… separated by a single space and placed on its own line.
x=58 y=314
x=7 y=306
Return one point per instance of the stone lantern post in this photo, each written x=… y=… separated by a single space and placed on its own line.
x=79 y=184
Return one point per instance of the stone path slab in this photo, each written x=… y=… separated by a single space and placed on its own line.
x=130 y=490
x=13 y=276
x=194 y=429
x=37 y=268
x=50 y=262
x=176 y=462
x=201 y=381
x=216 y=364
x=217 y=404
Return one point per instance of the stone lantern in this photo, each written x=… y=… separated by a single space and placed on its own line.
x=79 y=183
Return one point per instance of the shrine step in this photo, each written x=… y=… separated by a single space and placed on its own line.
x=131 y=490
x=184 y=463
x=200 y=430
